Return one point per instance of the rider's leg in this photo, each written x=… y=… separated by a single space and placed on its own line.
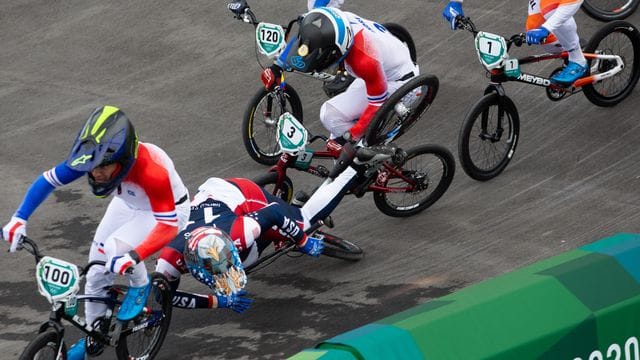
x=339 y=113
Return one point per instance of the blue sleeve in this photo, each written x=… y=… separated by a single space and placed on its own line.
x=320 y=3
x=43 y=186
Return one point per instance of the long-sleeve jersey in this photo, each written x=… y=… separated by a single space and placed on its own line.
x=376 y=56
x=151 y=185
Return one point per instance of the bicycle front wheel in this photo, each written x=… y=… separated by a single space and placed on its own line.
x=609 y=10
x=46 y=346
x=269 y=181
x=488 y=137
x=402 y=110
x=424 y=176
x=143 y=336
x=339 y=248
x=261 y=119
x=615 y=38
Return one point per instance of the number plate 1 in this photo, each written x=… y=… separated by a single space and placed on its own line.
x=57 y=279
x=270 y=39
x=492 y=50
x=292 y=136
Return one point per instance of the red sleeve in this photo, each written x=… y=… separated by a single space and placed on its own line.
x=364 y=61
x=153 y=177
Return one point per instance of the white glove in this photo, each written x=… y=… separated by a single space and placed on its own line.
x=14 y=231
x=120 y=264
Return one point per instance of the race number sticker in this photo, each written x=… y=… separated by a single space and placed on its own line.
x=57 y=279
x=512 y=68
x=492 y=50
x=270 y=39
x=292 y=136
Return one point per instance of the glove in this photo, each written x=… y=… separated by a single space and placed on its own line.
x=237 y=302
x=537 y=36
x=14 y=231
x=271 y=77
x=451 y=11
x=238 y=7
x=120 y=264
x=312 y=246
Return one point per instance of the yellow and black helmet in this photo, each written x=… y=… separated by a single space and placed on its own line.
x=107 y=137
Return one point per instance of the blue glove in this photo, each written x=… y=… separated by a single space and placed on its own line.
x=237 y=302
x=537 y=36
x=453 y=9
x=313 y=246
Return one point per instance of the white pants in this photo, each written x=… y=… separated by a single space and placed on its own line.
x=341 y=112
x=120 y=230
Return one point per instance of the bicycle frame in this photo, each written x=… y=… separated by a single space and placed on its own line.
x=381 y=174
x=498 y=76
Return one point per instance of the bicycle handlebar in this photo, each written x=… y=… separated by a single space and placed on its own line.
x=465 y=23
x=34 y=250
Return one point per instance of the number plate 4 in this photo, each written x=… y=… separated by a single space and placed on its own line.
x=57 y=279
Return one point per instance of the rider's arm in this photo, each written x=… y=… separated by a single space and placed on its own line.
x=364 y=62
x=43 y=186
x=566 y=9
x=157 y=185
x=312 y=4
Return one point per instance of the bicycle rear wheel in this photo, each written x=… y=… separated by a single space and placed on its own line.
x=615 y=38
x=46 y=346
x=609 y=10
x=269 y=181
x=402 y=109
x=488 y=137
x=143 y=336
x=426 y=174
x=339 y=248
x=261 y=119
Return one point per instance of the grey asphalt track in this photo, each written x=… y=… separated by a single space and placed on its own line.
x=184 y=72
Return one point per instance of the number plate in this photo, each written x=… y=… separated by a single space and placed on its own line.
x=512 y=68
x=57 y=279
x=270 y=39
x=492 y=50
x=292 y=136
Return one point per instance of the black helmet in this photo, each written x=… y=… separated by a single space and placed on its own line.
x=323 y=39
x=106 y=138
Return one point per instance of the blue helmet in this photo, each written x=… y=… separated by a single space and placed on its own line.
x=324 y=38
x=213 y=260
x=107 y=137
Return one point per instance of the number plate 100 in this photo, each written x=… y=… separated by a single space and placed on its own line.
x=57 y=279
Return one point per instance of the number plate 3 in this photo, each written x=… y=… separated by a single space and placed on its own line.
x=292 y=136
x=57 y=279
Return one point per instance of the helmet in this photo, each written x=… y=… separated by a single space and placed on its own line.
x=323 y=39
x=213 y=260
x=106 y=138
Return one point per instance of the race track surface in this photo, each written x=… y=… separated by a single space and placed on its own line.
x=183 y=71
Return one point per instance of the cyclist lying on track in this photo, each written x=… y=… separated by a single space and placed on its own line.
x=147 y=211
x=379 y=61
x=243 y=218
x=550 y=22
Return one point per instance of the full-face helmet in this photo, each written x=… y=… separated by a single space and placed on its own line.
x=107 y=137
x=213 y=260
x=323 y=39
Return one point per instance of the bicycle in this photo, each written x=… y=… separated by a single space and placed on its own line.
x=259 y=135
x=403 y=184
x=491 y=128
x=609 y=10
x=59 y=282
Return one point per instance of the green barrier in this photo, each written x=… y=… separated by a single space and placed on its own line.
x=580 y=305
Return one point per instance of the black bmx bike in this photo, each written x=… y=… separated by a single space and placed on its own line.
x=490 y=131
x=59 y=281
